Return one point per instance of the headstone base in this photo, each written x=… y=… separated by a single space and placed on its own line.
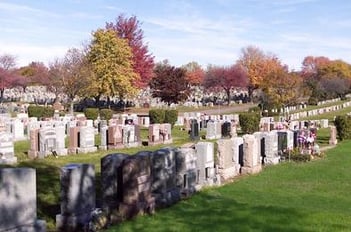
x=333 y=142
x=271 y=160
x=135 y=144
x=36 y=226
x=128 y=211
x=251 y=170
x=213 y=137
x=12 y=160
x=86 y=149
x=62 y=152
x=167 y=199
x=72 y=150
x=102 y=148
x=116 y=146
x=68 y=223
x=32 y=154
x=228 y=173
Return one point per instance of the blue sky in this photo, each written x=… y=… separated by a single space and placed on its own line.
x=207 y=31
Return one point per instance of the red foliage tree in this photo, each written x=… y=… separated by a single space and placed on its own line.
x=194 y=73
x=169 y=84
x=143 y=62
x=36 y=73
x=8 y=76
x=311 y=64
x=225 y=78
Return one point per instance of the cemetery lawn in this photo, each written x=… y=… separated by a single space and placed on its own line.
x=48 y=171
x=312 y=196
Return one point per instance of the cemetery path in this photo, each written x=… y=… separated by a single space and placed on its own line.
x=228 y=109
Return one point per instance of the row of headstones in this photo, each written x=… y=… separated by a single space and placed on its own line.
x=20 y=126
x=51 y=140
x=143 y=182
x=298 y=115
x=291 y=108
x=139 y=183
x=214 y=129
x=328 y=101
x=202 y=119
x=303 y=105
x=268 y=123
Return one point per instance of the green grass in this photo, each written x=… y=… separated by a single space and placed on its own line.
x=253 y=203
x=309 y=196
x=48 y=170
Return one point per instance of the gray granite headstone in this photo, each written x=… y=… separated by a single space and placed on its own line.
x=110 y=167
x=7 y=153
x=186 y=171
x=86 y=139
x=271 y=148
x=204 y=152
x=136 y=179
x=226 y=166
x=77 y=196
x=103 y=134
x=164 y=180
x=252 y=158
x=47 y=141
x=18 y=204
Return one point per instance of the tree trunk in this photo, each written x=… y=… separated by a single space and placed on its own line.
x=97 y=100
x=250 y=90
x=2 y=90
x=228 y=96
x=108 y=102
x=71 y=107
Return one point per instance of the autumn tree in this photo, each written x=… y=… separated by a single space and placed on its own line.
x=8 y=76
x=169 y=83
x=219 y=78
x=143 y=61
x=311 y=65
x=326 y=78
x=111 y=61
x=254 y=62
x=281 y=87
x=36 y=73
x=194 y=73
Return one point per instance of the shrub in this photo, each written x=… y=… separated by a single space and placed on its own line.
x=343 y=126
x=300 y=157
x=48 y=112
x=157 y=116
x=249 y=122
x=106 y=114
x=91 y=113
x=171 y=116
x=40 y=111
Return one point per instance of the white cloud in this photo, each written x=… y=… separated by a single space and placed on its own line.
x=26 y=53
x=19 y=9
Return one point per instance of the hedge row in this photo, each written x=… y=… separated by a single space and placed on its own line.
x=249 y=122
x=163 y=116
x=93 y=113
x=343 y=126
x=40 y=111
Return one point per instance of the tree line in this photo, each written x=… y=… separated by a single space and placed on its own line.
x=117 y=63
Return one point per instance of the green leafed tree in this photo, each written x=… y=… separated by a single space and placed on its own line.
x=111 y=61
